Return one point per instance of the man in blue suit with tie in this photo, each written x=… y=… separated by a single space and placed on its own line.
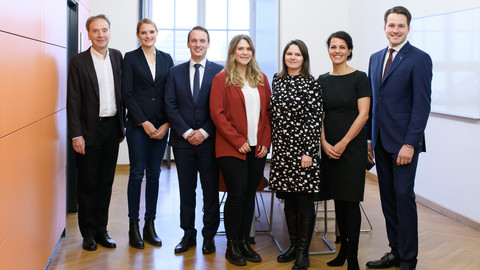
x=187 y=96
x=401 y=77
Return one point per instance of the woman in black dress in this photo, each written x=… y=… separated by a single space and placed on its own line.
x=295 y=166
x=344 y=144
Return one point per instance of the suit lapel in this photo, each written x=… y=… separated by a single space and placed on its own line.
x=157 y=65
x=401 y=55
x=144 y=63
x=90 y=67
x=116 y=75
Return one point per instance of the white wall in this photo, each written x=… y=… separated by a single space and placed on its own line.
x=449 y=173
x=123 y=16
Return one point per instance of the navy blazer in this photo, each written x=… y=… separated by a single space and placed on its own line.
x=401 y=100
x=83 y=101
x=182 y=112
x=142 y=96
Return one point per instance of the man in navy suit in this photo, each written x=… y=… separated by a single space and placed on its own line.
x=187 y=95
x=401 y=77
x=96 y=126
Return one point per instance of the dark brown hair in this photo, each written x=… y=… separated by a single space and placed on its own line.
x=305 y=70
x=398 y=10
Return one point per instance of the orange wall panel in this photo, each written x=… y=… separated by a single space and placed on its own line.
x=32 y=81
x=30 y=244
x=33 y=159
x=32 y=129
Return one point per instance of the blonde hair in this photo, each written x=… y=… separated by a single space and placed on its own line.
x=145 y=21
x=253 y=74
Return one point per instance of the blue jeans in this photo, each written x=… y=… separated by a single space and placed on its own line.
x=146 y=157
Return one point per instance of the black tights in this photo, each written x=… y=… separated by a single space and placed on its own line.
x=300 y=202
x=348 y=219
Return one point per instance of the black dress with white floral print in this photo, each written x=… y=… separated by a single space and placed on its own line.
x=296 y=131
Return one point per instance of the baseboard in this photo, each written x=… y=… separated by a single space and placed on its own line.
x=448 y=213
x=439 y=208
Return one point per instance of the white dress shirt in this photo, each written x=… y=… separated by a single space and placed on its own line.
x=106 y=86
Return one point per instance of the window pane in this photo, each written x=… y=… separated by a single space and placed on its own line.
x=238 y=14
x=216 y=14
x=186 y=14
x=165 y=41
x=218 y=46
x=182 y=53
x=162 y=13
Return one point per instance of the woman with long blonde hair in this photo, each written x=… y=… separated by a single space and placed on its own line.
x=240 y=109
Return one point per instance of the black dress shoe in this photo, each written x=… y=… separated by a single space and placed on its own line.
x=105 y=240
x=89 y=243
x=388 y=260
x=185 y=244
x=406 y=267
x=208 y=246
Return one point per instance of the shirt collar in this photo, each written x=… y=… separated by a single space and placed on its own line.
x=399 y=46
x=203 y=62
x=98 y=55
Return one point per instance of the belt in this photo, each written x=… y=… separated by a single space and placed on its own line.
x=105 y=118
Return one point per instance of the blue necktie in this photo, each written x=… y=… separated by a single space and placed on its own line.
x=196 y=82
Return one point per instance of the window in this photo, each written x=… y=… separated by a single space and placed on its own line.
x=223 y=18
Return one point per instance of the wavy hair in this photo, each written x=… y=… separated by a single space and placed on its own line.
x=253 y=74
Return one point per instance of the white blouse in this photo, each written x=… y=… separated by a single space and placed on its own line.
x=252 y=108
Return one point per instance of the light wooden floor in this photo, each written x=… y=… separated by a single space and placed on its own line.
x=444 y=243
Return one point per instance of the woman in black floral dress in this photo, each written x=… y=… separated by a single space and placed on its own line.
x=296 y=129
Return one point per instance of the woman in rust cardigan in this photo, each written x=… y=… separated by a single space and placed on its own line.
x=240 y=109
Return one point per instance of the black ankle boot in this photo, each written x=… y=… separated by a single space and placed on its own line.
x=149 y=233
x=305 y=231
x=247 y=251
x=341 y=256
x=292 y=225
x=134 y=237
x=233 y=253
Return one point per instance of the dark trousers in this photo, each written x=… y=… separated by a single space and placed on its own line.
x=241 y=180
x=189 y=162
x=396 y=184
x=146 y=157
x=300 y=202
x=96 y=170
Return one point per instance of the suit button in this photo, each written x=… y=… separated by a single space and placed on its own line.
x=153 y=99
x=380 y=98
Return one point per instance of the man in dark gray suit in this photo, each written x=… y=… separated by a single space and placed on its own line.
x=96 y=127
x=187 y=97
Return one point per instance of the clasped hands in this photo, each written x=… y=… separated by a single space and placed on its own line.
x=262 y=150
x=154 y=133
x=334 y=151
